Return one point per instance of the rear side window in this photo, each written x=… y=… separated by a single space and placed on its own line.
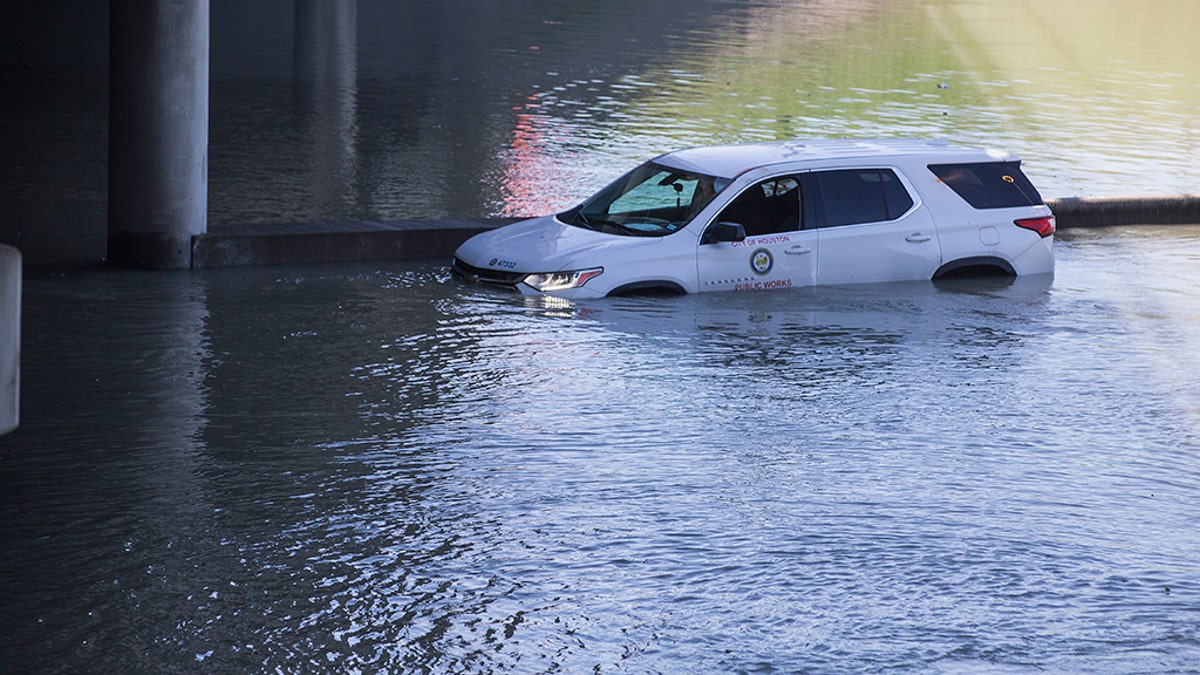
x=862 y=196
x=989 y=185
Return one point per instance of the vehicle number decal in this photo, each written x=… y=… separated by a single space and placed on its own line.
x=506 y=264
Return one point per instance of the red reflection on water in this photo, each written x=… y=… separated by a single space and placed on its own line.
x=534 y=182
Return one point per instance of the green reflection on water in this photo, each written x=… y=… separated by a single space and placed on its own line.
x=1101 y=98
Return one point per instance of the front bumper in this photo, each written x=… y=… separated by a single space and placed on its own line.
x=484 y=275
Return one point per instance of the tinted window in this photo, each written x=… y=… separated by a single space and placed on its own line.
x=989 y=185
x=768 y=207
x=862 y=196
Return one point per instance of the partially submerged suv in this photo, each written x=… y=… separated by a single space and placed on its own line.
x=779 y=215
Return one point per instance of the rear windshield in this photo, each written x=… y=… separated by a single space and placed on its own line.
x=989 y=185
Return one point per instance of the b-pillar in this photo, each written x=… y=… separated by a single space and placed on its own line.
x=158 y=131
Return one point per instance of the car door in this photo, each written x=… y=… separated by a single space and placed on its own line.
x=871 y=229
x=777 y=251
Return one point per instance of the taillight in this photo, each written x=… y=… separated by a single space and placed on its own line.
x=1044 y=226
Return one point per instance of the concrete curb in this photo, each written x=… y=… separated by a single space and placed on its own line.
x=436 y=238
x=10 y=338
x=288 y=243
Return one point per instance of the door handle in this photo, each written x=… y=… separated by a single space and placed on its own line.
x=798 y=250
x=917 y=238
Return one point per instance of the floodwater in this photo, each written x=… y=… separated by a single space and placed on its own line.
x=473 y=110
x=371 y=468
x=368 y=468
x=379 y=110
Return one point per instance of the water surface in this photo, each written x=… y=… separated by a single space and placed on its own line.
x=365 y=467
x=381 y=110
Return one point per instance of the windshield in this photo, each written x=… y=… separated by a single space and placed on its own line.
x=650 y=201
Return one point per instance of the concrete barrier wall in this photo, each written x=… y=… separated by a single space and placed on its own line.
x=10 y=338
x=1110 y=211
x=436 y=239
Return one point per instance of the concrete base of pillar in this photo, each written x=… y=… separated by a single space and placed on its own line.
x=149 y=250
x=10 y=338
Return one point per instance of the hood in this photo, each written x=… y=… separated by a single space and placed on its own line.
x=544 y=245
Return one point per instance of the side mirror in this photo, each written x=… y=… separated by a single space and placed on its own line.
x=723 y=231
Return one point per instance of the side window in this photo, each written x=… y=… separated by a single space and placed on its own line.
x=894 y=192
x=862 y=196
x=768 y=207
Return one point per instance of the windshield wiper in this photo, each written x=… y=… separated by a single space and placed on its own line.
x=602 y=225
x=583 y=221
x=633 y=230
x=594 y=223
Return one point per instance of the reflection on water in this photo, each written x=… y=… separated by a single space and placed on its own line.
x=363 y=468
x=325 y=49
x=570 y=99
x=1041 y=81
x=382 y=110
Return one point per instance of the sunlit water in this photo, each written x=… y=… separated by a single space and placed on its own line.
x=372 y=468
x=532 y=110
x=393 y=110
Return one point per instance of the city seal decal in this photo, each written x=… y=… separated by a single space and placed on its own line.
x=761 y=261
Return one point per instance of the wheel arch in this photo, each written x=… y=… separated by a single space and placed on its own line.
x=649 y=287
x=975 y=266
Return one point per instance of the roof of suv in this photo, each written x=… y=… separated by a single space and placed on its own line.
x=729 y=161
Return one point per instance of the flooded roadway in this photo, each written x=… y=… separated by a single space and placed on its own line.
x=460 y=109
x=371 y=467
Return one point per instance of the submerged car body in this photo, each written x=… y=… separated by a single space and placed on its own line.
x=774 y=215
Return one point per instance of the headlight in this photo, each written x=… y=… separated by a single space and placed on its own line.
x=561 y=281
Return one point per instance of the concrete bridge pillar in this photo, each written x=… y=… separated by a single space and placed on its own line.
x=10 y=338
x=158 y=131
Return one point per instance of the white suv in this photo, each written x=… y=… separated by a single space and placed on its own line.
x=779 y=215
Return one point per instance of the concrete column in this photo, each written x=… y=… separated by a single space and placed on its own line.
x=10 y=338
x=157 y=131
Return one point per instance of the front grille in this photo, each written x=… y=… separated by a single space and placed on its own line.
x=484 y=275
